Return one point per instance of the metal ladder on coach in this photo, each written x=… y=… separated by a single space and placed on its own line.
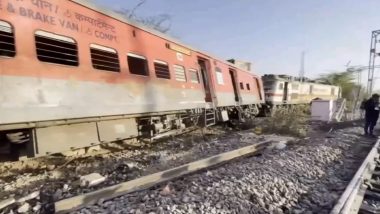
x=210 y=117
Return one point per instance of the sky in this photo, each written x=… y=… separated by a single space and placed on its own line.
x=271 y=34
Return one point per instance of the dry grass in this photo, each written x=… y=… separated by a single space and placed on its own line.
x=290 y=121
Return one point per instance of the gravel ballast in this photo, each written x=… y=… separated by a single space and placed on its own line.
x=305 y=177
x=59 y=181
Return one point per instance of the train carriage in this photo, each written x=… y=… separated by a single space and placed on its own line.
x=283 y=89
x=74 y=75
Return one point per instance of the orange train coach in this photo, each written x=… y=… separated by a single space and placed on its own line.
x=73 y=75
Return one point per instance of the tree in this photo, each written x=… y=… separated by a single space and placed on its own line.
x=343 y=79
x=161 y=22
x=351 y=91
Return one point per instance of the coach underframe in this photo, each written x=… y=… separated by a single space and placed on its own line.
x=49 y=137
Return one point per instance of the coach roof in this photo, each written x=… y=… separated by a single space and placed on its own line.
x=121 y=18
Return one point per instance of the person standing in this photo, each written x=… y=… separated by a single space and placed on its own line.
x=371 y=114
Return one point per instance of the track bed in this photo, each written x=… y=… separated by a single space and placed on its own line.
x=56 y=178
x=305 y=177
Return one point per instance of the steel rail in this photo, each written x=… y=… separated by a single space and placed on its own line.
x=351 y=199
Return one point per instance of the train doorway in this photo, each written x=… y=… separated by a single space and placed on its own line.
x=258 y=87
x=286 y=91
x=232 y=74
x=206 y=83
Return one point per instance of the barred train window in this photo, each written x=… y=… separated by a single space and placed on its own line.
x=180 y=73
x=219 y=76
x=56 y=49
x=194 y=76
x=104 y=58
x=162 y=69
x=248 y=87
x=138 y=64
x=7 y=40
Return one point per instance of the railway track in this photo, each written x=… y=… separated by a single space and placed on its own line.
x=284 y=180
x=362 y=195
x=61 y=182
x=70 y=204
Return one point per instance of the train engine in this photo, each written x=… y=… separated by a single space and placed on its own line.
x=288 y=90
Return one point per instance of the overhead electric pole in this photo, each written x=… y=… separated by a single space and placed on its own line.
x=372 y=58
x=302 y=67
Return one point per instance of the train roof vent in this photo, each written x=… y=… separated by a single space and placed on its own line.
x=7 y=40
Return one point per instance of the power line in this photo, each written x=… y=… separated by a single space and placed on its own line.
x=359 y=69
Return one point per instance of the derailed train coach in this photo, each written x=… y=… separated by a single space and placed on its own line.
x=74 y=75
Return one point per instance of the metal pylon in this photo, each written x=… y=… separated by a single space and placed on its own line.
x=372 y=58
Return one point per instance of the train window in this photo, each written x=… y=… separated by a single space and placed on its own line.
x=332 y=91
x=219 y=76
x=104 y=58
x=248 y=87
x=281 y=86
x=194 y=76
x=295 y=86
x=162 y=69
x=180 y=73
x=138 y=64
x=242 y=86
x=56 y=49
x=7 y=40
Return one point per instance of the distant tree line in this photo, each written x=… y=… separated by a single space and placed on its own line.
x=351 y=91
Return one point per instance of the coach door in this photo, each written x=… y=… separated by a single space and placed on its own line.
x=258 y=88
x=206 y=83
x=233 y=79
x=286 y=91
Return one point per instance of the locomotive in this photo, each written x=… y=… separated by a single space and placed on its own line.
x=284 y=89
x=74 y=75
